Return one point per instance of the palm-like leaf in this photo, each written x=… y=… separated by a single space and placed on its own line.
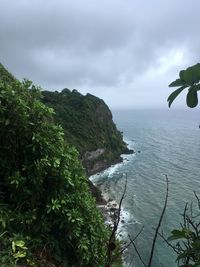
x=189 y=78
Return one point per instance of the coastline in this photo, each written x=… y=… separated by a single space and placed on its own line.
x=109 y=207
x=94 y=165
x=103 y=165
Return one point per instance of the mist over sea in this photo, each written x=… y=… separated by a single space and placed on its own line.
x=165 y=142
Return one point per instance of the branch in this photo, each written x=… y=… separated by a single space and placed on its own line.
x=111 y=241
x=116 y=222
x=168 y=243
x=198 y=200
x=132 y=242
x=159 y=224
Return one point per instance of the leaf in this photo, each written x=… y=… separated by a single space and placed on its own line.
x=175 y=94
x=196 y=73
x=181 y=74
x=177 y=82
x=13 y=246
x=188 y=76
x=177 y=234
x=19 y=243
x=191 y=75
x=192 y=98
x=20 y=254
x=196 y=245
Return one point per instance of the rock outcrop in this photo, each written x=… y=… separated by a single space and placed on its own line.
x=88 y=125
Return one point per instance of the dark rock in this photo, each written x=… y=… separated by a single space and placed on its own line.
x=96 y=192
x=113 y=209
x=128 y=151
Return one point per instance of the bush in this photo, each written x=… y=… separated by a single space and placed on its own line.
x=45 y=203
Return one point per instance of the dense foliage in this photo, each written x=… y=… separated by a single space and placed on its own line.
x=187 y=237
x=87 y=122
x=47 y=214
x=189 y=78
x=5 y=75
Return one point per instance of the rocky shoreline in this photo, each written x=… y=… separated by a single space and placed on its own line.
x=96 y=161
x=98 y=166
x=107 y=206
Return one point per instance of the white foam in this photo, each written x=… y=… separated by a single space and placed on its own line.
x=108 y=172
x=125 y=219
x=130 y=143
x=114 y=168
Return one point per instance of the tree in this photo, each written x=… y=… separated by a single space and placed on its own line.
x=187 y=238
x=190 y=79
x=47 y=214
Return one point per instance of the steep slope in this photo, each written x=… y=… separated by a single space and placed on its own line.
x=47 y=214
x=88 y=125
x=5 y=75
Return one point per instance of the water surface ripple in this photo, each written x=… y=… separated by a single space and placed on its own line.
x=169 y=143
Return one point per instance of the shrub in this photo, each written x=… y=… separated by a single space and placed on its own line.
x=44 y=199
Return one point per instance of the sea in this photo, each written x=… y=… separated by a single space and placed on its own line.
x=166 y=142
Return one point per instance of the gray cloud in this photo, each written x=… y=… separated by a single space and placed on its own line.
x=123 y=51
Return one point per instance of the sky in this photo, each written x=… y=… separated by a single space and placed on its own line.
x=123 y=51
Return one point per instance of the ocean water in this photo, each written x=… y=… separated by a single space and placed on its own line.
x=166 y=142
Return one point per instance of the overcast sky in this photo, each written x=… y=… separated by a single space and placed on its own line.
x=124 y=51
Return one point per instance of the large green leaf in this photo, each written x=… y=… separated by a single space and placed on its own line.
x=191 y=75
x=188 y=76
x=192 y=97
x=177 y=234
x=181 y=74
x=175 y=94
x=196 y=73
x=177 y=82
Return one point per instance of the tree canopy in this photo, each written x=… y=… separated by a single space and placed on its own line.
x=190 y=79
x=47 y=214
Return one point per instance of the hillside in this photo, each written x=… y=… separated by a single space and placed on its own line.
x=5 y=75
x=88 y=125
x=48 y=217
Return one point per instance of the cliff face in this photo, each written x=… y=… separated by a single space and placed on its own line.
x=88 y=125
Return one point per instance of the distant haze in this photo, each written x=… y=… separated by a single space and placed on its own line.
x=124 y=51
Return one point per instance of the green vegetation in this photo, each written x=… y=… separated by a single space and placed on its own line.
x=87 y=122
x=47 y=214
x=187 y=237
x=5 y=75
x=189 y=78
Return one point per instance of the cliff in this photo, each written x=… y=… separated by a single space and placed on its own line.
x=87 y=123
x=89 y=126
x=45 y=200
x=49 y=216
